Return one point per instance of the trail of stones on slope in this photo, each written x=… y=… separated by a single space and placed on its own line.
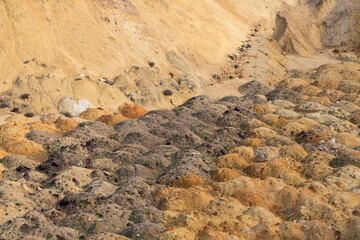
x=277 y=163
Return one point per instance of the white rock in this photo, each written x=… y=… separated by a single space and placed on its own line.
x=67 y=105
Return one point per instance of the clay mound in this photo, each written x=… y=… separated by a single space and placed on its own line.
x=93 y=113
x=132 y=111
x=22 y=146
x=66 y=124
x=111 y=119
x=187 y=181
x=42 y=126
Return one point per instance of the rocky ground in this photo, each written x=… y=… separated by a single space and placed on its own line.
x=276 y=163
x=274 y=153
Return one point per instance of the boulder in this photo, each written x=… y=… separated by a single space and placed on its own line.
x=68 y=106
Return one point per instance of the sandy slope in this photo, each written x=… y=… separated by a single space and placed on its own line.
x=45 y=45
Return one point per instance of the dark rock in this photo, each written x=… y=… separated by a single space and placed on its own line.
x=284 y=94
x=41 y=137
x=254 y=87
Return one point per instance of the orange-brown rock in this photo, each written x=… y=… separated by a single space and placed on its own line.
x=316 y=170
x=11 y=130
x=308 y=90
x=262 y=108
x=252 y=123
x=293 y=83
x=93 y=113
x=333 y=95
x=187 y=181
x=312 y=136
x=253 y=142
x=224 y=174
x=244 y=183
x=179 y=233
x=251 y=198
x=132 y=111
x=246 y=152
x=255 y=215
x=224 y=206
x=347 y=139
x=307 y=122
x=276 y=167
x=273 y=120
x=111 y=119
x=199 y=221
x=293 y=129
x=108 y=236
x=289 y=197
x=65 y=124
x=182 y=200
x=232 y=160
x=294 y=151
x=23 y=146
x=320 y=156
x=324 y=100
x=42 y=126
x=263 y=132
x=18 y=118
x=3 y=153
x=216 y=235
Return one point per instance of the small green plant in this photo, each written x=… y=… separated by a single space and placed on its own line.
x=49 y=236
